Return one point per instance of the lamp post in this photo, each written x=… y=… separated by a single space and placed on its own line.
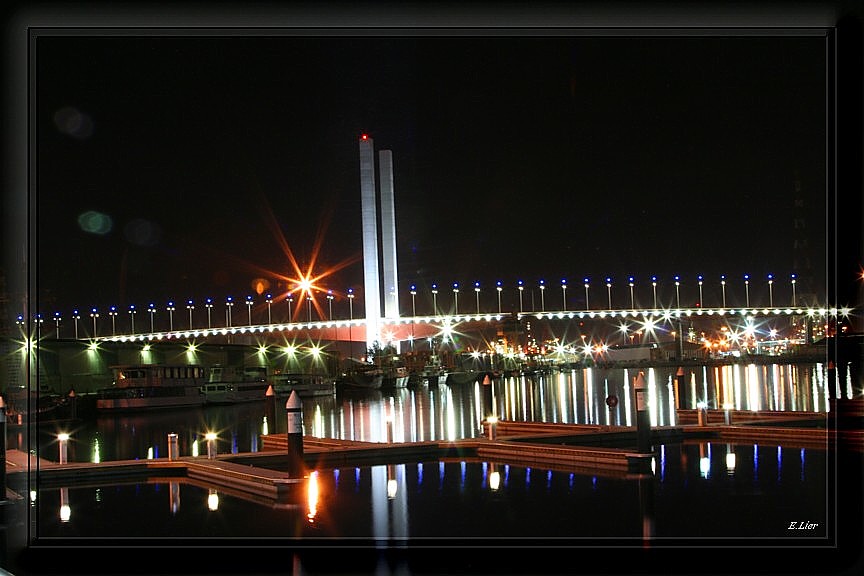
x=113 y=313
x=435 y=299
x=723 y=288
x=587 y=307
x=564 y=294
x=521 y=290
x=132 y=312
x=229 y=303
x=632 y=301
x=170 y=309
x=477 y=295
x=209 y=305
x=542 y=297
x=94 y=315
x=190 y=307
x=413 y=301
x=249 y=308
x=609 y=290
x=699 y=278
x=498 y=287
x=677 y=292
x=770 y=290
x=330 y=303
x=76 y=316
x=151 y=309
x=654 y=287
x=57 y=324
x=456 y=298
x=793 y=289
x=309 y=308
x=290 y=300
x=747 y=288
x=269 y=300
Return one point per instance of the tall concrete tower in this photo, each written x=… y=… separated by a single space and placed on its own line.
x=369 y=212
x=388 y=235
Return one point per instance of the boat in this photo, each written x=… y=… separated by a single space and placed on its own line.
x=234 y=384
x=302 y=383
x=23 y=406
x=153 y=386
x=461 y=377
x=395 y=377
x=369 y=377
x=433 y=372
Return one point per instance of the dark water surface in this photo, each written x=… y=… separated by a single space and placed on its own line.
x=698 y=495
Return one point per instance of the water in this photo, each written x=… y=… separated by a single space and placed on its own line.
x=703 y=493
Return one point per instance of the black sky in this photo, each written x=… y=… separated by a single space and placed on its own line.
x=515 y=157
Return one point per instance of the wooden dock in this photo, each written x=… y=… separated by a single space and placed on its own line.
x=581 y=448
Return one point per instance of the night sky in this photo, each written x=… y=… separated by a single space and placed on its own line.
x=515 y=158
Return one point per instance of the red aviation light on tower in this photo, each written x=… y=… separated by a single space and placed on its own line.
x=364 y=137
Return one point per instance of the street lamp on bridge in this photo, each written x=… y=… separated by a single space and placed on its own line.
x=521 y=290
x=132 y=317
x=609 y=290
x=771 y=290
x=542 y=297
x=94 y=315
x=413 y=301
x=654 y=286
x=477 y=295
x=309 y=308
x=76 y=316
x=170 y=309
x=564 y=294
x=57 y=324
x=586 y=294
x=677 y=292
x=209 y=305
x=229 y=303
x=435 y=299
x=269 y=300
x=350 y=321
x=699 y=278
x=330 y=303
x=456 y=298
x=152 y=311
x=747 y=288
x=793 y=289
x=249 y=308
x=190 y=307
x=632 y=301
x=113 y=313
x=289 y=299
x=723 y=288
x=498 y=287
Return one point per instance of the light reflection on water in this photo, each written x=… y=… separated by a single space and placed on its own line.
x=755 y=495
x=446 y=412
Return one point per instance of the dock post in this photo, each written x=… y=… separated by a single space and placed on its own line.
x=172 y=446
x=294 y=433
x=681 y=389
x=643 y=421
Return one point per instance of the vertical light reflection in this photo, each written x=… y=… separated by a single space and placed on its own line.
x=670 y=395
x=588 y=391
x=312 y=495
x=212 y=500
x=775 y=391
x=755 y=462
x=317 y=422
x=753 y=387
x=653 y=401
x=705 y=460
x=736 y=376
x=628 y=402
x=96 y=455
x=779 y=463
x=563 y=405
x=730 y=460
x=451 y=417
x=65 y=509
x=705 y=384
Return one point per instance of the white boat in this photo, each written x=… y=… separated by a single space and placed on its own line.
x=152 y=386
x=434 y=373
x=302 y=383
x=235 y=384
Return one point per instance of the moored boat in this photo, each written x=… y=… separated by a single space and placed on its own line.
x=152 y=386
x=461 y=377
x=370 y=378
x=395 y=377
x=234 y=384
x=302 y=383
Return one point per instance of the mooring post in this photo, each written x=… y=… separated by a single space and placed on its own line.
x=294 y=433
x=643 y=421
